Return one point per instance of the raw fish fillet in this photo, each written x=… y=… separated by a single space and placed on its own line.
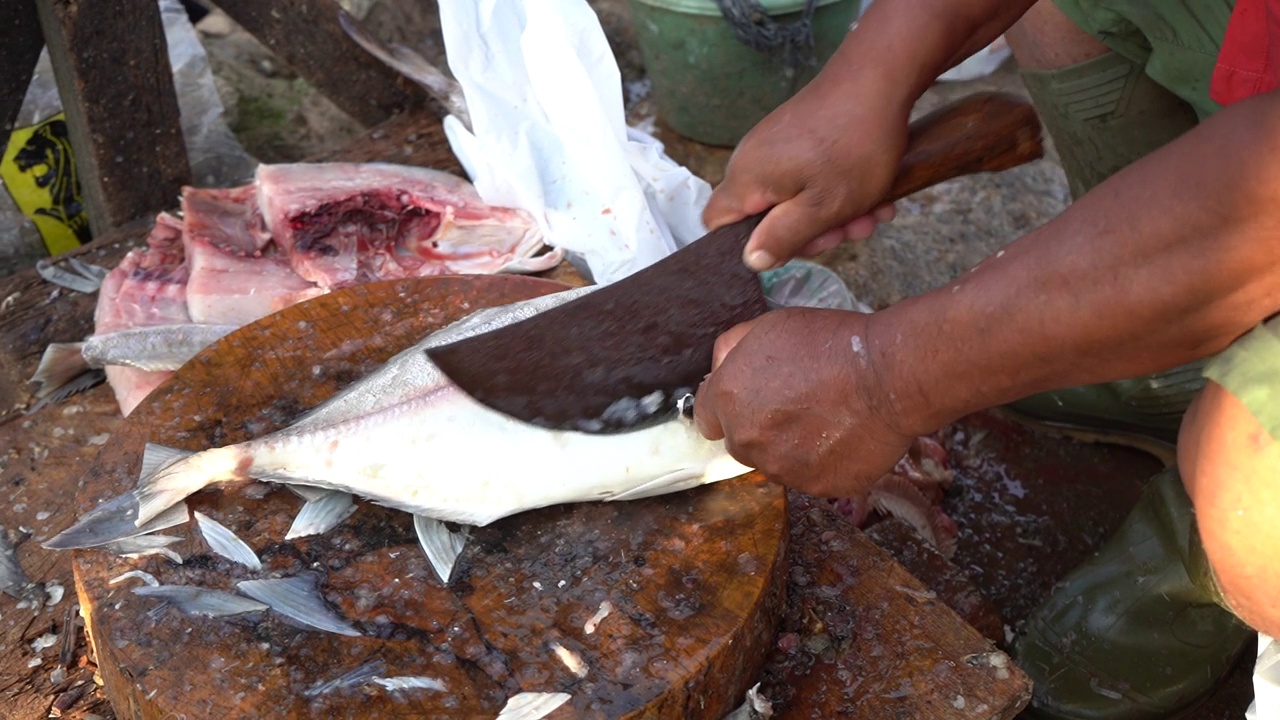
x=298 y=231
x=148 y=288
x=237 y=276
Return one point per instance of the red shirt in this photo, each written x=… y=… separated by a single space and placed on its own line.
x=1249 y=62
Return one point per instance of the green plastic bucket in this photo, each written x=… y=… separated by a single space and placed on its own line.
x=711 y=87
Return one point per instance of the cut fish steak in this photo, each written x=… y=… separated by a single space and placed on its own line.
x=235 y=255
x=343 y=223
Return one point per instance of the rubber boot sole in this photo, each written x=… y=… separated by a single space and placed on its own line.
x=1163 y=451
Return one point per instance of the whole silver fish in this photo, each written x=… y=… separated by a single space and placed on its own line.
x=406 y=437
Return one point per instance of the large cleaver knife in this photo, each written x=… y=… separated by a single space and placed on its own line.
x=626 y=355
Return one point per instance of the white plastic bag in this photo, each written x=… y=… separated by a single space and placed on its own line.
x=217 y=159
x=1266 y=681
x=803 y=283
x=548 y=135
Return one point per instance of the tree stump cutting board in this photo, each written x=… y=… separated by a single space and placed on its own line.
x=694 y=579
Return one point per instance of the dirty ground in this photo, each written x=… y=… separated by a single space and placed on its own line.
x=1052 y=506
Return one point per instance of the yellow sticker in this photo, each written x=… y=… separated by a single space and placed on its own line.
x=39 y=171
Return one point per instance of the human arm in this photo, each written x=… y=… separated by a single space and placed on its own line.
x=1168 y=260
x=826 y=157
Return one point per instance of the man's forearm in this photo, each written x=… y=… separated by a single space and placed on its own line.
x=900 y=47
x=1167 y=261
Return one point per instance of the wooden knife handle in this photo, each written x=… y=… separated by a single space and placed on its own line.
x=983 y=132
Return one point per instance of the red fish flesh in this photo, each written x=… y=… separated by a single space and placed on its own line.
x=302 y=230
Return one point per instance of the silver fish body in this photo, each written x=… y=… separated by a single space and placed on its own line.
x=150 y=348
x=162 y=347
x=408 y=438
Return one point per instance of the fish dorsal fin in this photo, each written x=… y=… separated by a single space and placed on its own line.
x=155 y=457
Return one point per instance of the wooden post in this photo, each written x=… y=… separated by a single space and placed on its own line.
x=19 y=51
x=306 y=35
x=111 y=63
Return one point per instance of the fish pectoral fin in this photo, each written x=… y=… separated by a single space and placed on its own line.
x=441 y=545
x=681 y=479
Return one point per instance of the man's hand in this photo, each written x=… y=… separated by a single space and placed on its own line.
x=819 y=166
x=795 y=394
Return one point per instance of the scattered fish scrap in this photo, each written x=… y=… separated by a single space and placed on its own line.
x=571 y=659
x=593 y=622
x=911 y=492
x=298 y=599
x=195 y=600
x=532 y=705
x=226 y=543
x=352 y=678
x=13 y=580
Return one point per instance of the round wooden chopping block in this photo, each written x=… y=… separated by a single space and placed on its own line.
x=692 y=581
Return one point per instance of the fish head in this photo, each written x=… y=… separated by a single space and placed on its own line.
x=484 y=240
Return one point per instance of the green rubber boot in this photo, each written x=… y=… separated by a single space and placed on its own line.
x=1102 y=115
x=1150 y=405
x=1139 y=632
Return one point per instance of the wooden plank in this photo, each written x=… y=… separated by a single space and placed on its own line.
x=112 y=68
x=34 y=313
x=40 y=463
x=414 y=138
x=862 y=638
x=306 y=35
x=951 y=583
x=19 y=52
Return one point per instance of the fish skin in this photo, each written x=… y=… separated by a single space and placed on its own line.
x=150 y=349
x=159 y=347
x=402 y=436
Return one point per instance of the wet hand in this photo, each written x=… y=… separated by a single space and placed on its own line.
x=860 y=228
x=795 y=394
x=819 y=167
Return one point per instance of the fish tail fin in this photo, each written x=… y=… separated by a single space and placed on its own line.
x=60 y=364
x=170 y=475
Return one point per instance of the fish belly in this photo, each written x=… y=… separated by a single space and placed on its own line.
x=448 y=457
